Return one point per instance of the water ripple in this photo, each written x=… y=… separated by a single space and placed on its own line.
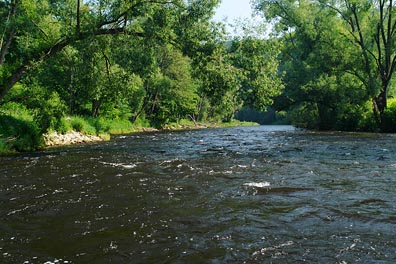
x=238 y=195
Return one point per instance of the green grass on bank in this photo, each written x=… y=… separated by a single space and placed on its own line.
x=94 y=126
x=188 y=124
x=19 y=132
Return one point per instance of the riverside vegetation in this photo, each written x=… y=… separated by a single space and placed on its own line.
x=103 y=67
x=20 y=132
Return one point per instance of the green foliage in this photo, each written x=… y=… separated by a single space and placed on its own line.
x=355 y=118
x=96 y=126
x=50 y=113
x=219 y=84
x=18 y=131
x=141 y=122
x=46 y=107
x=304 y=115
x=17 y=110
x=83 y=125
x=117 y=126
x=257 y=60
x=337 y=56
x=172 y=92
x=390 y=116
x=64 y=125
x=261 y=117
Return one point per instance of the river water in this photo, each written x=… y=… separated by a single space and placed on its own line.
x=266 y=194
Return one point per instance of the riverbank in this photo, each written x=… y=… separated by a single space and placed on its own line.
x=73 y=137
x=22 y=134
x=70 y=138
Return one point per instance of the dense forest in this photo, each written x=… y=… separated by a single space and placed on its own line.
x=102 y=66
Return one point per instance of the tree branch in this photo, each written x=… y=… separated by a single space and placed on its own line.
x=52 y=51
x=11 y=34
x=101 y=28
x=78 y=27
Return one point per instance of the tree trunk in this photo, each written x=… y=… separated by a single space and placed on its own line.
x=6 y=46
x=379 y=106
x=16 y=76
x=78 y=28
x=95 y=107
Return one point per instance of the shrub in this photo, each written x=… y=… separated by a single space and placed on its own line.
x=141 y=122
x=304 y=115
x=82 y=125
x=64 y=125
x=18 y=131
x=19 y=135
x=101 y=125
x=3 y=148
x=50 y=113
x=389 y=118
x=16 y=110
x=77 y=124
x=119 y=126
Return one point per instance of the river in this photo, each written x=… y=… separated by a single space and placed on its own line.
x=265 y=194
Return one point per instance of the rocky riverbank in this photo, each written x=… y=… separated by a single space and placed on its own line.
x=73 y=137
x=70 y=138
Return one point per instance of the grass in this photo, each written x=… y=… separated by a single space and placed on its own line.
x=188 y=124
x=18 y=131
x=94 y=126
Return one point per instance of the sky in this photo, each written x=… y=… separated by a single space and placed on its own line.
x=233 y=9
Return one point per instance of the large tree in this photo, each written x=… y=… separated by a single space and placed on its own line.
x=33 y=31
x=363 y=32
x=260 y=81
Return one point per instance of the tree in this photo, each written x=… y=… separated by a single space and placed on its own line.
x=361 y=33
x=36 y=30
x=172 y=91
x=220 y=83
x=372 y=28
x=260 y=80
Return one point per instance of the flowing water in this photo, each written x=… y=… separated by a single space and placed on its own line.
x=267 y=194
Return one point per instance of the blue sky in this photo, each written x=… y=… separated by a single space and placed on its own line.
x=233 y=9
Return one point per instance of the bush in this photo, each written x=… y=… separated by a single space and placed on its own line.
x=18 y=131
x=3 y=148
x=389 y=118
x=101 y=125
x=304 y=115
x=142 y=122
x=95 y=126
x=16 y=110
x=19 y=135
x=64 y=125
x=119 y=126
x=82 y=125
x=355 y=118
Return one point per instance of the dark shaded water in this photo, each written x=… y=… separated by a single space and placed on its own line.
x=240 y=195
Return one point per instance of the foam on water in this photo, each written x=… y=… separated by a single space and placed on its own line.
x=257 y=184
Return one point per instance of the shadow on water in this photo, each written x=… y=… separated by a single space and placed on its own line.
x=268 y=194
